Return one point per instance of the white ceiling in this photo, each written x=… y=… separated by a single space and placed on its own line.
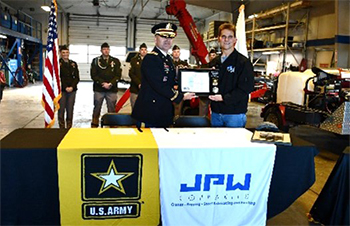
x=152 y=9
x=140 y=8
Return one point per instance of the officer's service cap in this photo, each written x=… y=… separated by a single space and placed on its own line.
x=165 y=30
x=104 y=45
x=175 y=47
x=143 y=45
x=64 y=47
x=212 y=51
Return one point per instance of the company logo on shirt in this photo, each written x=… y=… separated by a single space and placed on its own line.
x=111 y=185
x=230 y=69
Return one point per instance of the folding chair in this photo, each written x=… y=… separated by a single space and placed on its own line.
x=115 y=120
x=191 y=121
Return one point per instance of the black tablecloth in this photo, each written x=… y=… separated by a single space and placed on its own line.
x=322 y=139
x=293 y=174
x=29 y=180
x=332 y=205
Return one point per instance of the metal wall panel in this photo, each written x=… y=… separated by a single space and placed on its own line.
x=95 y=31
x=91 y=31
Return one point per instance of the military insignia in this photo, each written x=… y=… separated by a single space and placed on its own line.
x=111 y=185
x=153 y=53
x=73 y=64
x=166 y=68
x=99 y=64
x=112 y=64
x=165 y=78
x=176 y=94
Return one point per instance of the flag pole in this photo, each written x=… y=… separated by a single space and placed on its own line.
x=51 y=79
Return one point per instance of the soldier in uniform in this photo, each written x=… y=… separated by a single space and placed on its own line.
x=105 y=72
x=135 y=73
x=69 y=74
x=212 y=55
x=176 y=58
x=154 y=104
x=178 y=63
x=204 y=101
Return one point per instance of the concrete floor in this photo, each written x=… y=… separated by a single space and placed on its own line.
x=21 y=108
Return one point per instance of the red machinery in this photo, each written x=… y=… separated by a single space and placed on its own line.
x=178 y=9
x=199 y=50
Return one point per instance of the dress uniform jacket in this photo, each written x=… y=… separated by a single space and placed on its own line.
x=236 y=81
x=105 y=71
x=154 y=102
x=180 y=63
x=135 y=73
x=69 y=74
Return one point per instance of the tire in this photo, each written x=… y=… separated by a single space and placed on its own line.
x=274 y=116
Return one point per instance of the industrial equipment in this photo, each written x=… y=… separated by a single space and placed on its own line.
x=326 y=106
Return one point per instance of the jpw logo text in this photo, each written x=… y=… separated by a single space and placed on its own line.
x=216 y=179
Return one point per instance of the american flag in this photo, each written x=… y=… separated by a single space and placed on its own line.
x=52 y=86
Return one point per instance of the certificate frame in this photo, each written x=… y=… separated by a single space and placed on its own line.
x=203 y=82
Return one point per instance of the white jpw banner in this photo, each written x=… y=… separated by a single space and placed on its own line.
x=213 y=177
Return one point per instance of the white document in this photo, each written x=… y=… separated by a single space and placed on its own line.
x=193 y=81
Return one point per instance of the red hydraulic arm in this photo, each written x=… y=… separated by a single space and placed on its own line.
x=178 y=9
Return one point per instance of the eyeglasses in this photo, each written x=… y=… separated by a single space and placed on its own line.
x=230 y=37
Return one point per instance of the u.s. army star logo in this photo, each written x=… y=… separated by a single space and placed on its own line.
x=111 y=185
x=112 y=178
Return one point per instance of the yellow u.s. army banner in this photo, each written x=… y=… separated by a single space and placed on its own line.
x=108 y=177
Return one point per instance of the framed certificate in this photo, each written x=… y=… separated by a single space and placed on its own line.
x=203 y=82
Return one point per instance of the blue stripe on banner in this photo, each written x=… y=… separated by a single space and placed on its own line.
x=343 y=39
x=320 y=42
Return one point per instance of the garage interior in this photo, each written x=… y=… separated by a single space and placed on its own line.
x=311 y=34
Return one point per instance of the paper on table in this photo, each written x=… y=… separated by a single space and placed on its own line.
x=122 y=131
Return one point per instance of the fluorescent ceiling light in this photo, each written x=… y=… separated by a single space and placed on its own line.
x=252 y=16
x=46 y=8
x=270 y=53
x=3 y=36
